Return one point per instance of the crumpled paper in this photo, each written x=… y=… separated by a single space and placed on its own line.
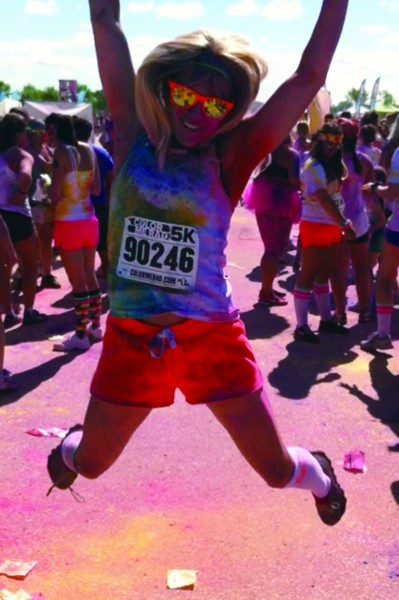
x=19 y=595
x=17 y=569
x=181 y=579
x=50 y=432
x=354 y=461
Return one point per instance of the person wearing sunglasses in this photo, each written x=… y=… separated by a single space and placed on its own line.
x=183 y=154
x=321 y=228
x=357 y=207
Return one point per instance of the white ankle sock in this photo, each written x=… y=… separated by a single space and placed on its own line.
x=384 y=316
x=308 y=473
x=69 y=447
x=301 y=305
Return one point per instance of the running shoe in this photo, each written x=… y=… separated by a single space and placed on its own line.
x=61 y=475
x=375 y=342
x=305 y=334
x=332 y=507
x=71 y=343
x=95 y=334
x=331 y=326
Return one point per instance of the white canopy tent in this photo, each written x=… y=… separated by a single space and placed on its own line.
x=7 y=104
x=41 y=110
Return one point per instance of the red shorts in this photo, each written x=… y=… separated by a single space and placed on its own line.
x=74 y=235
x=210 y=362
x=319 y=234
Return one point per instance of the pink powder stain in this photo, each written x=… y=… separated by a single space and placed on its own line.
x=17 y=505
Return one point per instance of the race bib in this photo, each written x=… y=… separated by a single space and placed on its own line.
x=159 y=253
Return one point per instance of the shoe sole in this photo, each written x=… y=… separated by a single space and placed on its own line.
x=376 y=349
x=328 y=469
x=55 y=464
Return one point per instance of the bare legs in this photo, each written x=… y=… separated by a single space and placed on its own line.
x=107 y=429
x=250 y=423
x=28 y=253
x=358 y=254
x=79 y=266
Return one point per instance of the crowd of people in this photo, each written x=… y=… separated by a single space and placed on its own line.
x=346 y=175
x=54 y=195
x=184 y=149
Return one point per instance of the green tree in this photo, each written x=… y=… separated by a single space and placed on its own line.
x=5 y=88
x=387 y=98
x=353 y=96
x=99 y=103
x=50 y=94
x=30 y=92
x=97 y=98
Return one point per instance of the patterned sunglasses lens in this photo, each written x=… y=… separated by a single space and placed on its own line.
x=183 y=97
x=215 y=108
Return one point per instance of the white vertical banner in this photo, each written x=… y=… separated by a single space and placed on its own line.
x=360 y=97
x=374 y=93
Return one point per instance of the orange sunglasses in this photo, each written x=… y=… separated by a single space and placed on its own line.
x=185 y=97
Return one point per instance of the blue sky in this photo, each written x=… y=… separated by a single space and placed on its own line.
x=42 y=41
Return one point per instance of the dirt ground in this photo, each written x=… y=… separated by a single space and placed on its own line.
x=181 y=497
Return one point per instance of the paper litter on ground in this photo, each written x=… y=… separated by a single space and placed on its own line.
x=18 y=569
x=181 y=579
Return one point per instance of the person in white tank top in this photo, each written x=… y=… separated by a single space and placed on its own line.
x=75 y=176
x=15 y=179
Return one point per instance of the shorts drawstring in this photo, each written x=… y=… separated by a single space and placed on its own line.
x=158 y=343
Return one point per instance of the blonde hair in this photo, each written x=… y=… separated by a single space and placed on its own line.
x=226 y=55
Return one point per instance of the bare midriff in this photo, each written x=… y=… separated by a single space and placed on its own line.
x=164 y=320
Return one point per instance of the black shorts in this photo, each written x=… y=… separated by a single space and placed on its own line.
x=102 y=213
x=361 y=239
x=20 y=227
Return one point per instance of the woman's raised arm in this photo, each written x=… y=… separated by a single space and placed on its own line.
x=116 y=71
x=261 y=133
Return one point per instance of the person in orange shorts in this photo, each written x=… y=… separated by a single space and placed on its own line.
x=321 y=228
x=183 y=154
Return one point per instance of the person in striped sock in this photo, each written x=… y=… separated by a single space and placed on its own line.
x=389 y=261
x=75 y=176
x=95 y=306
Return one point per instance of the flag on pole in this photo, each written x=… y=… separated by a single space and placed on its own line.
x=360 y=97
x=374 y=93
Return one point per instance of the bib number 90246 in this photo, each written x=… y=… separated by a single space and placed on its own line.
x=160 y=253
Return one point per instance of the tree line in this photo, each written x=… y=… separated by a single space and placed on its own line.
x=51 y=94
x=352 y=96
x=97 y=99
